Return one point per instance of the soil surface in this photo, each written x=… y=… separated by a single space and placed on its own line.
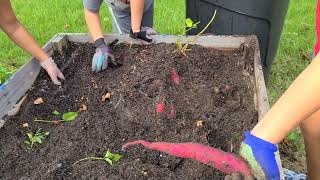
x=216 y=88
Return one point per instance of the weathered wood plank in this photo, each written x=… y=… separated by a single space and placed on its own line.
x=217 y=42
x=262 y=94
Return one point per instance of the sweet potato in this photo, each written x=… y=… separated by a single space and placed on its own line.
x=161 y=106
x=175 y=78
x=222 y=161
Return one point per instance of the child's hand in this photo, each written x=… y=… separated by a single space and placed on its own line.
x=260 y=155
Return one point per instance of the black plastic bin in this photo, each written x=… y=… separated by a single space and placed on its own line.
x=263 y=18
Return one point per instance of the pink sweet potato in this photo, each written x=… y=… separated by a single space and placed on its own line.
x=225 y=162
x=172 y=112
x=175 y=78
x=161 y=106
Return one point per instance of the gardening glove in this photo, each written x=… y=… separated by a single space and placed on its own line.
x=102 y=55
x=149 y=30
x=53 y=71
x=260 y=155
x=140 y=35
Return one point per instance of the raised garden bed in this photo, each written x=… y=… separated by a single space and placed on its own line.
x=220 y=95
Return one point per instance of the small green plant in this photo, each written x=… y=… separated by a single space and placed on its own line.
x=55 y=112
x=108 y=157
x=66 y=117
x=36 y=138
x=190 y=25
x=5 y=74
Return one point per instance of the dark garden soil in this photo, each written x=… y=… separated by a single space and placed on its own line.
x=216 y=88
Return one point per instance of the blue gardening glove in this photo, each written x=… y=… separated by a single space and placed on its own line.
x=102 y=56
x=260 y=155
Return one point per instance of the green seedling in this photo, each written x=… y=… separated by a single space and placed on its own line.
x=36 y=138
x=109 y=158
x=189 y=23
x=66 y=117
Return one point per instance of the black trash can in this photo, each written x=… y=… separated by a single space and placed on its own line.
x=264 y=18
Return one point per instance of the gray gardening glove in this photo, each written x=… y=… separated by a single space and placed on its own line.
x=102 y=55
x=53 y=71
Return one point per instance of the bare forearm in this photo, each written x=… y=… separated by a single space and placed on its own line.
x=296 y=104
x=136 y=7
x=13 y=28
x=93 y=23
x=23 y=38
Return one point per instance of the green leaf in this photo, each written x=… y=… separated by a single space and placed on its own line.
x=108 y=154
x=27 y=142
x=30 y=136
x=108 y=161
x=116 y=157
x=38 y=140
x=189 y=23
x=69 y=116
x=46 y=133
x=57 y=113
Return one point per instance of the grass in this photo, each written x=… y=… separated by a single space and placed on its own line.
x=296 y=47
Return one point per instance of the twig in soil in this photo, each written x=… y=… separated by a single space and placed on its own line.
x=146 y=95
x=120 y=99
x=47 y=121
x=141 y=60
x=134 y=68
x=88 y=158
x=108 y=157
